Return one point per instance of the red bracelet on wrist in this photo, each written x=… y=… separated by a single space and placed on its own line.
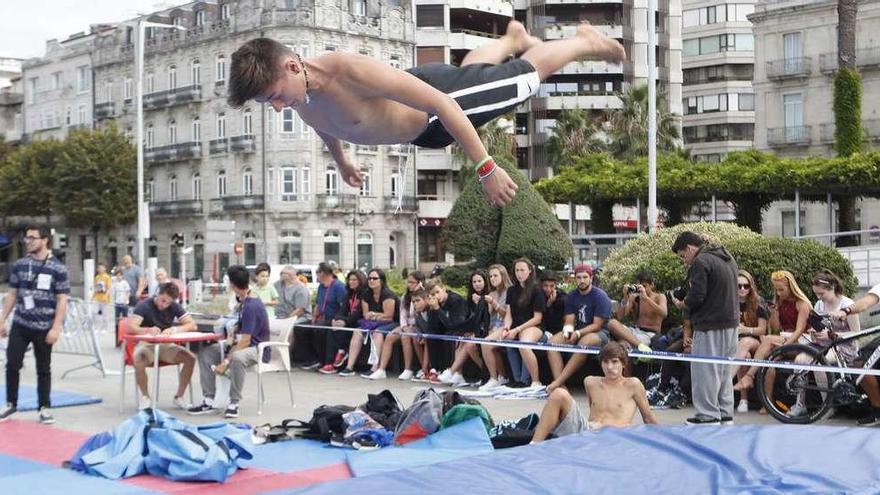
x=486 y=168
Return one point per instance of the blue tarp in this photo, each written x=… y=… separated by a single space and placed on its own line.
x=773 y=459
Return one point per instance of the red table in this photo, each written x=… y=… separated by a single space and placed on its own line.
x=176 y=338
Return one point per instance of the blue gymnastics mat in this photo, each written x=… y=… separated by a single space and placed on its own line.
x=27 y=398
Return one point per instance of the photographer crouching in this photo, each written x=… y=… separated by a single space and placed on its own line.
x=713 y=305
x=646 y=308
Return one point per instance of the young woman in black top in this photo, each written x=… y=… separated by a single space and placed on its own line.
x=525 y=311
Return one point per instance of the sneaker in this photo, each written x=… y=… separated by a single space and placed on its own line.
x=742 y=407
x=181 y=403
x=406 y=375
x=726 y=420
x=46 y=417
x=377 y=375
x=327 y=369
x=231 y=410
x=446 y=376
x=204 y=408
x=702 y=420
x=346 y=372
x=310 y=366
x=534 y=386
x=144 y=403
x=796 y=410
x=872 y=419
x=433 y=378
x=8 y=411
x=489 y=385
x=457 y=380
x=340 y=358
x=420 y=375
x=502 y=380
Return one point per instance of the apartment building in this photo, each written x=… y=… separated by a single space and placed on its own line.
x=795 y=63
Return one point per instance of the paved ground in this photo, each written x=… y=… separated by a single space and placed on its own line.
x=311 y=389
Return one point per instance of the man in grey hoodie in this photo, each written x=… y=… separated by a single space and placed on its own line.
x=713 y=306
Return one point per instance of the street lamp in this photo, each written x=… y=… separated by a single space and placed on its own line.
x=142 y=211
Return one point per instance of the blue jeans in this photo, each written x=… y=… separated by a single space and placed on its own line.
x=517 y=366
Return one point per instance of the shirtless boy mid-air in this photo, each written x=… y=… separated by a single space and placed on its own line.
x=354 y=98
x=613 y=400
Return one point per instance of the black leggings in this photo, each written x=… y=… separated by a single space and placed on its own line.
x=19 y=338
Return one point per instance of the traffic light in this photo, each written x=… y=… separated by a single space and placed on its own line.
x=177 y=239
x=61 y=239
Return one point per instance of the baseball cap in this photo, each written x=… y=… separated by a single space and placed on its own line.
x=584 y=268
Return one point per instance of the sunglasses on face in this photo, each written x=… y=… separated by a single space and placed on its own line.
x=745 y=286
x=372 y=278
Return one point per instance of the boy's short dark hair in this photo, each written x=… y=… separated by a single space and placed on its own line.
x=613 y=350
x=685 y=239
x=645 y=276
x=325 y=268
x=170 y=289
x=238 y=276
x=255 y=66
x=434 y=284
x=421 y=293
x=263 y=267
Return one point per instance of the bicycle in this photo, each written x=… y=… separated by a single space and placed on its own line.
x=806 y=396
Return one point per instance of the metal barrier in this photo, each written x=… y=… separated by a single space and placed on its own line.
x=80 y=337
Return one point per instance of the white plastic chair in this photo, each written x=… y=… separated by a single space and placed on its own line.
x=279 y=361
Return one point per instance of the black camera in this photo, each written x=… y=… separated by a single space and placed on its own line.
x=678 y=293
x=632 y=289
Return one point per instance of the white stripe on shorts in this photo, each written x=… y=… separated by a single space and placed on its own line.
x=526 y=86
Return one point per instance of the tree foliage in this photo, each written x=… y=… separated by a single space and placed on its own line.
x=28 y=180
x=629 y=125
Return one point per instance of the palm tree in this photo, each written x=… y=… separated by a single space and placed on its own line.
x=575 y=134
x=629 y=125
x=847 y=108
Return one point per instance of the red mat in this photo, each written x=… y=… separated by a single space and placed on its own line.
x=52 y=445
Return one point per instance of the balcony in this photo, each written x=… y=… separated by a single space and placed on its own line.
x=104 y=110
x=217 y=146
x=866 y=59
x=246 y=143
x=797 y=135
x=434 y=206
x=613 y=28
x=171 y=97
x=174 y=152
x=788 y=68
x=406 y=203
x=585 y=100
x=242 y=203
x=367 y=149
x=335 y=202
x=173 y=208
x=156 y=99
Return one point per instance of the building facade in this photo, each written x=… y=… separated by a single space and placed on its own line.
x=795 y=63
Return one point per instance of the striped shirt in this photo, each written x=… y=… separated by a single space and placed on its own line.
x=41 y=281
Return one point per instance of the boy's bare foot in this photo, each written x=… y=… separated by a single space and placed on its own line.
x=520 y=37
x=606 y=48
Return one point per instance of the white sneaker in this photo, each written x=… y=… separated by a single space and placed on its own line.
x=457 y=380
x=144 y=403
x=535 y=386
x=502 y=380
x=406 y=375
x=181 y=403
x=378 y=375
x=420 y=375
x=742 y=407
x=491 y=384
x=446 y=376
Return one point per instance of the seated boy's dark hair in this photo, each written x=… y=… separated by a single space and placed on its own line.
x=239 y=276
x=614 y=350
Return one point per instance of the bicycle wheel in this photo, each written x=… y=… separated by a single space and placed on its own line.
x=795 y=396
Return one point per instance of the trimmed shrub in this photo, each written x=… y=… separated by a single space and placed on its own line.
x=457 y=275
x=472 y=227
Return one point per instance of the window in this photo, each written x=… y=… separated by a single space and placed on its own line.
x=32 y=89
x=221 y=69
x=250 y=249
x=172 y=77
x=150 y=193
x=366 y=189
x=290 y=4
x=248 y=122
x=710 y=103
x=149 y=137
x=221 y=125
x=178 y=21
x=788 y=223
x=82 y=116
x=149 y=83
x=745 y=42
x=172 y=188
x=691 y=18
x=746 y=101
x=221 y=184
x=288 y=184
x=195 y=72
x=305 y=181
x=331 y=181
x=126 y=89
x=793 y=108
x=287 y=120
x=430 y=16
x=197 y=186
x=200 y=18
x=395 y=184
x=108 y=90
x=248 y=180
x=365 y=250
x=690 y=47
x=196 y=130
x=225 y=11
x=711 y=44
x=84 y=78
x=791 y=46
x=172 y=132
x=332 y=242
x=56 y=80
x=395 y=61
x=289 y=248
x=359 y=7
x=270 y=180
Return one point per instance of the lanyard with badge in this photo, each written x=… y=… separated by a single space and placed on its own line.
x=36 y=281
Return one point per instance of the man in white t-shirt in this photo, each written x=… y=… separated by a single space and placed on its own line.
x=868 y=383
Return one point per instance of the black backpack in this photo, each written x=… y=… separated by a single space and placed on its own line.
x=326 y=423
x=384 y=408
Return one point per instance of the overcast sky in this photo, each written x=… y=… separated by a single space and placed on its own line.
x=25 y=25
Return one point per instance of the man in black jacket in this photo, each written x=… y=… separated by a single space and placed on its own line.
x=713 y=305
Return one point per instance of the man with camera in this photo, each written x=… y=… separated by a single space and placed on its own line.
x=713 y=305
x=647 y=310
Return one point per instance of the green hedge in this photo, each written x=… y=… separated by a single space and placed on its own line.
x=457 y=275
x=847 y=112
